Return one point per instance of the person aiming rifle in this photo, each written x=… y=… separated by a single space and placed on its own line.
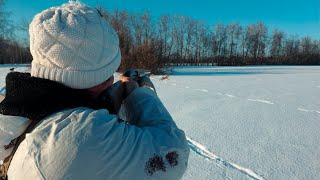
x=68 y=120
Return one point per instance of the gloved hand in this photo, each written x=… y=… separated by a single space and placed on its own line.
x=122 y=90
x=129 y=83
x=114 y=95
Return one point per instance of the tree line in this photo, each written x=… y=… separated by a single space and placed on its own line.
x=173 y=40
x=11 y=51
x=179 y=40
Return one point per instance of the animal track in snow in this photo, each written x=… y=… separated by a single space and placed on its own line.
x=262 y=101
x=203 y=90
x=306 y=110
x=229 y=95
x=301 y=109
x=204 y=152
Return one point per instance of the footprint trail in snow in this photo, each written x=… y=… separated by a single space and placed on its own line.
x=229 y=95
x=203 y=90
x=204 y=152
x=306 y=110
x=262 y=101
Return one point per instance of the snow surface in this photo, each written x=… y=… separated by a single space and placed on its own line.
x=256 y=122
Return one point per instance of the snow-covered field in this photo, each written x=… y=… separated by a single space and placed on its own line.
x=259 y=122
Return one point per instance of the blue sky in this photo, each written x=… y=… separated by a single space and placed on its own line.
x=295 y=17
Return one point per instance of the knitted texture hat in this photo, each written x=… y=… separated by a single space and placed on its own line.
x=74 y=45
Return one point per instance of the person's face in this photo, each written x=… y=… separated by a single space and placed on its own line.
x=109 y=82
x=96 y=90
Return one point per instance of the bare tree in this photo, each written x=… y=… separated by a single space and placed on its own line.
x=179 y=26
x=190 y=31
x=221 y=38
x=262 y=36
x=231 y=29
x=277 y=43
x=137 y=28
x=146 y=26
x=204 y=45
x=6 y=27
x=251 y=43
x=306 y=44
x=289 y=46
x=164 y=34
x=3 y=20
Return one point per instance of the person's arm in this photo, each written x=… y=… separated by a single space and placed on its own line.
x=155 y=145
x=143 y=108
x=149 y=146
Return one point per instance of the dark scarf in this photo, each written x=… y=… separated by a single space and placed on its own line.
x=36 y=98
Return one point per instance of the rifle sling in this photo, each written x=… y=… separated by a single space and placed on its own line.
x=6 y=163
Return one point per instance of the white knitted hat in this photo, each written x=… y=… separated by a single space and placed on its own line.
x=72 y=44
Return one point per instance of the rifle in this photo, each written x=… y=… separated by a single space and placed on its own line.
x=108 y=95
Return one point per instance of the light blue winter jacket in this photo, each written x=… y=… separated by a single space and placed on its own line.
x=87 y=144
